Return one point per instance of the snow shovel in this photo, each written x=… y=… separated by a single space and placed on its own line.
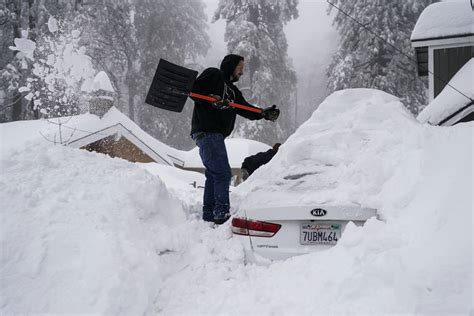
x=172 y=85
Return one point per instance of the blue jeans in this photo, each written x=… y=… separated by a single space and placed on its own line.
x=218 y=175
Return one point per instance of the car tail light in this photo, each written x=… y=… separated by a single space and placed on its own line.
x=242 y=226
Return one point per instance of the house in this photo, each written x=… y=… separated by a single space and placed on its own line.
x=118 y=136
x=451 y=107
x=443 y=39
x=107 y=130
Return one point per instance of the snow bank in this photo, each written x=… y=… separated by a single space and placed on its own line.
x=444 y=19
x=449 y=101
x=345 y=152
x=360 y=146
x=80 y=232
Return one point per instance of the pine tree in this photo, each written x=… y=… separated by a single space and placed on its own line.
x=127 y=39
x=364 y=61
x=176 y=31
x=254 y=29
x=27 y=20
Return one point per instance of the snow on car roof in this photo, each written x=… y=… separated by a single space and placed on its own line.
x=444 y=19
x=449 y=100
x=331 y=158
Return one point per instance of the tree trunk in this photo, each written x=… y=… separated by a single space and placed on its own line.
x=16 y=25
x=131 y=91
x=131 y=100
x=32 y=23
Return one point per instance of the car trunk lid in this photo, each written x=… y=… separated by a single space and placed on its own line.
x=313 y=212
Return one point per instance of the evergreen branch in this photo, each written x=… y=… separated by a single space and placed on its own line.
x=396 y=48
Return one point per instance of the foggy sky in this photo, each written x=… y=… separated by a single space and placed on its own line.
x=312 y=41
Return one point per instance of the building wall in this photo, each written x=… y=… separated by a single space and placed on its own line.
x=121 y=148
x=447 y=62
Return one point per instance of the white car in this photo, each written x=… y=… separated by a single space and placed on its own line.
x=281 y=232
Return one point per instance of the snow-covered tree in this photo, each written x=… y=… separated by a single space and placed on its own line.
x=54 y=70
x=176 y=31
x=363 y=60
x=127 y=39
x=25 y=21
x=254 y=30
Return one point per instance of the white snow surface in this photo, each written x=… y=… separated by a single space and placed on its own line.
x=336 y=156
x=443 y=19
x=53 y=24
x=102 y=82
x=449 y=100
x=85 y=233
x=25 y=46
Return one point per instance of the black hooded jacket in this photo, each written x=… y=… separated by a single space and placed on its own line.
x=254 y=162
x=215 y=81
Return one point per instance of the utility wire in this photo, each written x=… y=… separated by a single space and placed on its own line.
x=396 y=48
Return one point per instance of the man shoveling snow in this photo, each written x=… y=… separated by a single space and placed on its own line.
x=212 y=124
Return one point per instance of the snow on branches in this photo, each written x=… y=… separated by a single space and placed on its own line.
x=59 y=71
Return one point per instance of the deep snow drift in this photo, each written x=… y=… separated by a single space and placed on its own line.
x=81 y=232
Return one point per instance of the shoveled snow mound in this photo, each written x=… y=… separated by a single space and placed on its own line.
x=343 y=154
x=84 y=233
x=80 y=232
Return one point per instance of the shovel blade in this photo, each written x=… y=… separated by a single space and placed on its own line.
x=171 y=86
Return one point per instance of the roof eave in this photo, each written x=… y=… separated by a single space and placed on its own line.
x=440 y=40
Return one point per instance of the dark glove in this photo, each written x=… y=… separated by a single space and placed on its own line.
x=220 y=104
x=271 y=113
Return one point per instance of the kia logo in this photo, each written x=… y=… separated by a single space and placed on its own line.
x=318 y=212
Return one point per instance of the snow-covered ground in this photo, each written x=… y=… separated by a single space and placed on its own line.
x=84 y=233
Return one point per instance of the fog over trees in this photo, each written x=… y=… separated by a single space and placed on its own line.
x=50 y=51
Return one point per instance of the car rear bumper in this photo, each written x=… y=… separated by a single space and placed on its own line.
x=256 y=252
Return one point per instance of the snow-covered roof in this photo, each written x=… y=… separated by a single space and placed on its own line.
x=237 y=150
x=449 y=101
x=444 y=19
x=92 y=129
x=102 y=82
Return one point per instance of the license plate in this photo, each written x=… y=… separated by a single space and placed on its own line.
x=320 y=233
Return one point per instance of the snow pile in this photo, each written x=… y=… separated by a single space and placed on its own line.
x=84 y=233
x=444 y=19
x=80 y=231
x=186 y=186
x=362 y=147
x=449 y=101
x=345 y=152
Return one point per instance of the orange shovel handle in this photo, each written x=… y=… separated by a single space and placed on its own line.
x=235 y=105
